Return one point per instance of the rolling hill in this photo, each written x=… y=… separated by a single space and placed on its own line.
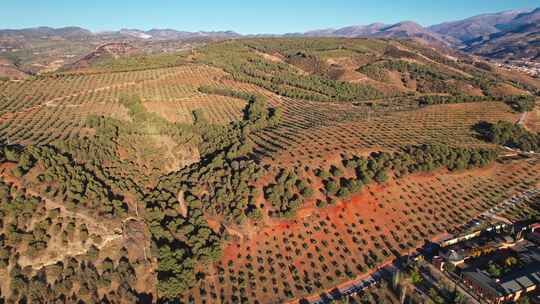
x=166 y=166
x=45 y=49
x=286 y=165
x=9 y=70
x=510 y=35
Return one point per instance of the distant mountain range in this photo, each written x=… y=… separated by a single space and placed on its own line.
x=506 y=35
x=169 y=34
x=401 y=30
x=46 y=32
x=36 y=50
x=517 y=39
x=81 y=33
x=477 y=26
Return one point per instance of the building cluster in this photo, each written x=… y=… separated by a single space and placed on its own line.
x=528 y=67
x=496 y=267
x=5 y=49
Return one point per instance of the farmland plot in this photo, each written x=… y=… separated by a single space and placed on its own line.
x=320 y=132
x=322 y=248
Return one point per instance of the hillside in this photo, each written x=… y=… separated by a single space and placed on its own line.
x=477 y=26
x=109 y=51
x=44 y=49
x=401 y=30
x=508 y=35
x=9 y=70
x=46 y=33
x=521 y=43
x=248 y=170
x=412 y=30
x=349 y=31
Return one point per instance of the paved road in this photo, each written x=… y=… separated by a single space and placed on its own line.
x=500 y=208
x=356 y=286
x=509 y=203
x=390 y=269
x=440 y=276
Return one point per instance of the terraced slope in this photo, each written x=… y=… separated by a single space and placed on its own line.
x=256 y=171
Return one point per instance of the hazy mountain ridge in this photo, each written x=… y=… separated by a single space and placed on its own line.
x=78 y=32
x=509 y=35
x=450 y=32
x=455 y=33
x=518 y=39
x=410 y=29
x=349 y=31
x=37 y=50
x=521 y=43
x=46 y=32
x=504 y=35
x=475 y=26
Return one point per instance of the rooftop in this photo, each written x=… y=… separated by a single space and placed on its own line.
x=484 y=281
x=516 y=280
x=522 y=279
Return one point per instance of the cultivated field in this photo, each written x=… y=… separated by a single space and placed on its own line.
x=322 y=248
x=54 y=108
x=252 y=171
x=311 y=132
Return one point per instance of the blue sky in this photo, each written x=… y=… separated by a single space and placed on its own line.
x=246 y=17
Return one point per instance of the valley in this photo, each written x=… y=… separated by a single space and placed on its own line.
x=225 y=175
x=385 y=163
